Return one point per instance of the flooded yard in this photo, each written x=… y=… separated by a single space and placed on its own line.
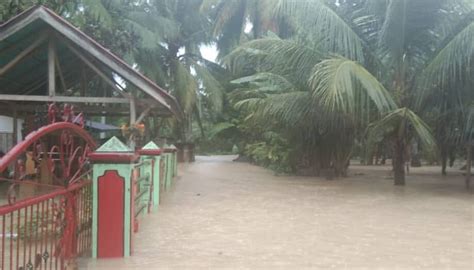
x=226 y=215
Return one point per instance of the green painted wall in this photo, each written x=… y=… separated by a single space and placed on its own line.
x=125 y=171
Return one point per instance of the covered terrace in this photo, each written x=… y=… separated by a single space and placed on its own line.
x=45 y=59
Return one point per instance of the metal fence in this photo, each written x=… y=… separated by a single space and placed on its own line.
x=142 y=193
x=47 y=231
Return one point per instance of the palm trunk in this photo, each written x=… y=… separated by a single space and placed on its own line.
x=444 y=159
x=340 y=167
x=399 y=162
x=315 y=161
x=186 y=129
x=468 y=166
x=415 y=155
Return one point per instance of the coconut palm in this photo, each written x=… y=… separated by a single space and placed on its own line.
x=401 y=47
x=171 y=33
x=278 y=97
x=407 y=33
x=238 y=21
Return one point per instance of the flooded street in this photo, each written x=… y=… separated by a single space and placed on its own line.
x=226 y=215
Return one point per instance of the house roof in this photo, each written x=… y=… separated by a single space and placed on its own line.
x=30 y=78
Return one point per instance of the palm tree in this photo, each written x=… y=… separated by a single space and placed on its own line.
x=401 y=47
x=238 y=21
x=171 y=33
x=279 y=97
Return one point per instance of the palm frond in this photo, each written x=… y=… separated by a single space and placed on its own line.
x=97 y=10
x=453 y=60
x=401 y=121
x=208 y=5
x=283 y=57
x=226 y=11
x=317 y=18
x=184 y=86
x=152 y=23
x=469 y=127
x=248 y=104
x=408 y=29
x=287 y=109
x=219 y=128
x=148 y=38
x=212 y=87
x=266 y=82
x=340 y=84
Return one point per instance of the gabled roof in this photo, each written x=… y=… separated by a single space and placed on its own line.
x=19 y=32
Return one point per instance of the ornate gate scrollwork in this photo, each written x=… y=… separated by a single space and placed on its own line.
x=55 y=154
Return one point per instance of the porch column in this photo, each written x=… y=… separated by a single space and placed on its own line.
x=51 y=68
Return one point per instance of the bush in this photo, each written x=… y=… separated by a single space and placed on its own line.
x=274 y=153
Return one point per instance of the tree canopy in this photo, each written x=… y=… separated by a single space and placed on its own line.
x=299 y=84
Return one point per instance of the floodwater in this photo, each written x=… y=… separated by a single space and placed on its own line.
x=226 y=215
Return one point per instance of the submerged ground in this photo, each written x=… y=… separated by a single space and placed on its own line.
x=226 y=215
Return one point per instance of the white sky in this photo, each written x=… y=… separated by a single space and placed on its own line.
x=209 y=52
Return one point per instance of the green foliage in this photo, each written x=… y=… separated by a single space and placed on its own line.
x=314 y=77
x=171 y=33
x=445 y=68
x=10 y=8
x=220 y=128
x=353 y=63
x=342 y=85
x=278 y=100
x=273 y=153
x=319 y=21
x=402 y=123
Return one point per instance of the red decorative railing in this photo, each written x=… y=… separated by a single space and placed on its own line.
x=46 y=231
x=46 y=214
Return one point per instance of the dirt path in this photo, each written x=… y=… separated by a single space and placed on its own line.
x=226 y=215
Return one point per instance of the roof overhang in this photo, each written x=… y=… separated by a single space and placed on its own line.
x=74 y=45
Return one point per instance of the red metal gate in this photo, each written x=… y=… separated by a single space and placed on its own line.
x=46 y=231
x=46 y=215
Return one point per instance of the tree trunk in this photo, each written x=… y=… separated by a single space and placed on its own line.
x=415 y=155
x=339 y=168
x=186 y=129
x=370 y=158
x=377 y=154
x=315 y=162
x=468 y=166
x=398 y=161
x=444 y=160
x=415 y=161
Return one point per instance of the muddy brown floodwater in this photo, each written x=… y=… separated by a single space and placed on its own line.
x=226 y=215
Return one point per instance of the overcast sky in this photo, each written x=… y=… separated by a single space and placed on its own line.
x=209 y=52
